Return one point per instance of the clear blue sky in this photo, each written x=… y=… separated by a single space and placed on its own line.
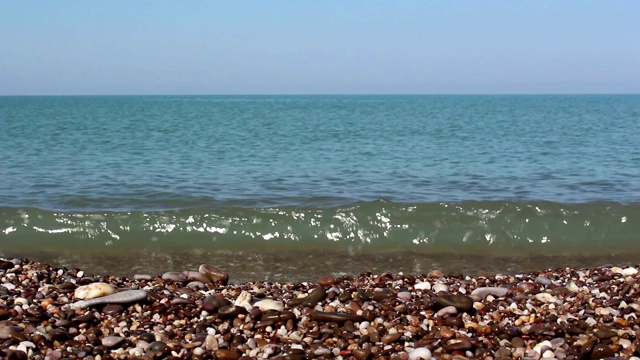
x=319 y=47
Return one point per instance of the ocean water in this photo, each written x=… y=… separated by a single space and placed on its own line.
x=293 y=187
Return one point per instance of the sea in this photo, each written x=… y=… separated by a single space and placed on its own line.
x=289 y=188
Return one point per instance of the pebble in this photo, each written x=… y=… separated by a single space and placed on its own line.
x=420 y=353
x=626 y=272
x=214 y=274
x=269 y=304
x=447 y=310
x=369 y=316
x=225 y=354
x=422 y=286
x=335 y=316
x=197 y=276
x=389 y=338
x=327 y=281
x=546 y=297
x=462 y=303
x=543 y=280
x=123 y=297
x=157 y=346
x=112 y=341
x=317 y=295
x=244 y=300
x=404 y=295
x=9 y=331
x=94 y=290
x=483 y=292
x=174 y=276
x=440 y=287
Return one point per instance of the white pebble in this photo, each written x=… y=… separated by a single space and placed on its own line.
x=420 y=353
x=543 y=346
x=244 y=300
x=448 y=310
x=95 y=290
x=9 y=286
x=295 y=336
x=626 y=272
x=624 y=343
x=440 y=287
x=322 y=351
x=546 y=297
x=21 y=301
x=483 y=292
x=548 y=354
x=422 y=286
x=269 y=304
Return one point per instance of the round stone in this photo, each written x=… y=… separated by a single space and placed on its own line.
x=213 y=273
x=112 y=341
x=462 y=303
x=157 y=346
x=112 y=309
x=174 y=276
x=420 y=353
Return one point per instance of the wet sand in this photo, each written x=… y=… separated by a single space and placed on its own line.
x=297 y=266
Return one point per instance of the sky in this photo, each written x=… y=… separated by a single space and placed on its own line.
x=122 y=47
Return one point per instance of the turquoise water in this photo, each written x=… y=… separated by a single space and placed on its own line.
x=354 y=176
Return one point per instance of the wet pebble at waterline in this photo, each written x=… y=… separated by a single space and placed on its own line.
x=562 y=314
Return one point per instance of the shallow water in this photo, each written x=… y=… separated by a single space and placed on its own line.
x=503 y=179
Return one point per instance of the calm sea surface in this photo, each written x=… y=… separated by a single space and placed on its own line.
x=291 y=187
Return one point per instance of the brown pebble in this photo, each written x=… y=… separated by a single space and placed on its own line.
x=517 y=342
x=84 y=318
x=231 y=311
x=362 y=353
x=462 y=303
x=605 y=333
x=314 y=297
x=112 y=309
x=383 y=295
x=225 y=354
x=601 y=351
x=389 y=338
x=435 y=274
x=348 y=325
x=213 y=303
x=214 y=274
x=335 y=316
x=458 y=344
x=276 y=316
x=327 y=280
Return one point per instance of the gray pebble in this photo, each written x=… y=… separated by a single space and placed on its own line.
x=483 y=292
x=112 y=341
x=123 y=297
x=174 y=276
x=543 y=280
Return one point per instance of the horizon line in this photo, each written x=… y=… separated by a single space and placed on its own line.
x=325 y=94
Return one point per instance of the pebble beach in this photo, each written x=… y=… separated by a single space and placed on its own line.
x=49 y=312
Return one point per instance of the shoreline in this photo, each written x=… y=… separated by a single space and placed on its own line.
x=562 y=313
x=295 y=265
